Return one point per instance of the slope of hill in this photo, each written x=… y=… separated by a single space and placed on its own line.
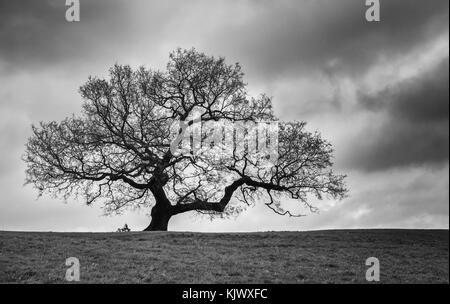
x=335 y=256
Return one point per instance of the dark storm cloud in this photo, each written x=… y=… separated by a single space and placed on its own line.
x=424 y=98
x=281 y=37
x=401 y=144
x=34 y=33
x=31 y=33
x=416 y=128
x=271 y=37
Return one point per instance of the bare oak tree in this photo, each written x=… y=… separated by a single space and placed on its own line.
x=118 y=151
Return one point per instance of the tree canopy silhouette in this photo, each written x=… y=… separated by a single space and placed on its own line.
x=119 y=150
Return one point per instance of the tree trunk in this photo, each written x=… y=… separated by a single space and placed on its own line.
x=160 y=219
x=161 y=212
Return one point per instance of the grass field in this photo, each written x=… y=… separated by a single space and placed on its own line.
x=338 y=256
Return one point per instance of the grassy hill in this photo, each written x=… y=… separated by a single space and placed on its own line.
x=338 y=256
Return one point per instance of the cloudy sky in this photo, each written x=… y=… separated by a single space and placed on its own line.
x=378 y=91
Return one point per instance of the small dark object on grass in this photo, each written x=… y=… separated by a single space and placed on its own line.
x=124 y=229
